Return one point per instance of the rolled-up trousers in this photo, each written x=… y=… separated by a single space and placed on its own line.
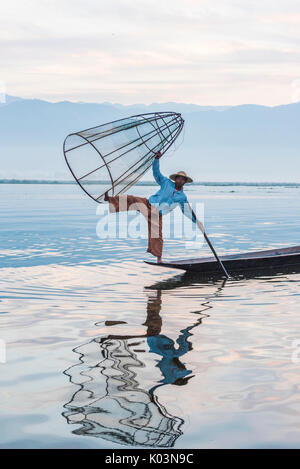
x=125 y=202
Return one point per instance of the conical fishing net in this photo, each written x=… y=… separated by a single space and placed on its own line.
x=114 y=156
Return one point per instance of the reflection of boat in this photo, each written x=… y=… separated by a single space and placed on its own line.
x=188 y=279
x=254 y=263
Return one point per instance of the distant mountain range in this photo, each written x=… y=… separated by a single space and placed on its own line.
x=223 y=143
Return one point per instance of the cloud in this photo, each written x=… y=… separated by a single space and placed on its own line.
x=126 y=50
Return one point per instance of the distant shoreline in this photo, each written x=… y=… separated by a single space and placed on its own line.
x=151 y=183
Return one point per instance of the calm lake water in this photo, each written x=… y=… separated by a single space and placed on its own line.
x=105 y=351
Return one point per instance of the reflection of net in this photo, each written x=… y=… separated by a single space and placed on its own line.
x=110 y=402
x=114 y=156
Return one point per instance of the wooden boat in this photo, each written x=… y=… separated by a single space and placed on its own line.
x=272 y=261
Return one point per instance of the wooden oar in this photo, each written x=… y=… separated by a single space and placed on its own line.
x=201 y=227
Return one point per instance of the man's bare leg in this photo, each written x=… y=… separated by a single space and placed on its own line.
x=106 y=198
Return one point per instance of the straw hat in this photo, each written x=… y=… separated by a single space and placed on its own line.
x=181 y=173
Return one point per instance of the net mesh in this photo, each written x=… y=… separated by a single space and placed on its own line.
x=114 y=156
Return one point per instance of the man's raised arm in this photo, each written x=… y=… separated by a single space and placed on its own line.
x=159 y=178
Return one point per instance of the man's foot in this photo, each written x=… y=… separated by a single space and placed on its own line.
x=159 y=260
x=106 y=196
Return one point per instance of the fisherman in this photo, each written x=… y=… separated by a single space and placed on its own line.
x=169 y=196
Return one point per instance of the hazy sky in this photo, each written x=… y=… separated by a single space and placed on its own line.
x=128 y=51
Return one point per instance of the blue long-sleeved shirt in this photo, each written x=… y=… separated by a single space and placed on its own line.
x=167 y=198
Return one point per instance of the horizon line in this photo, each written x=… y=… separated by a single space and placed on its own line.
x=143 y=104
x=151 y=183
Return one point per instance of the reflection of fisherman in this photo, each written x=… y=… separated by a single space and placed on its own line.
x=116 y=399
x=172 y=369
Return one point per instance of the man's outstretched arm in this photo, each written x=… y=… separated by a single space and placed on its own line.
x=186 y=210
x=159 y=178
